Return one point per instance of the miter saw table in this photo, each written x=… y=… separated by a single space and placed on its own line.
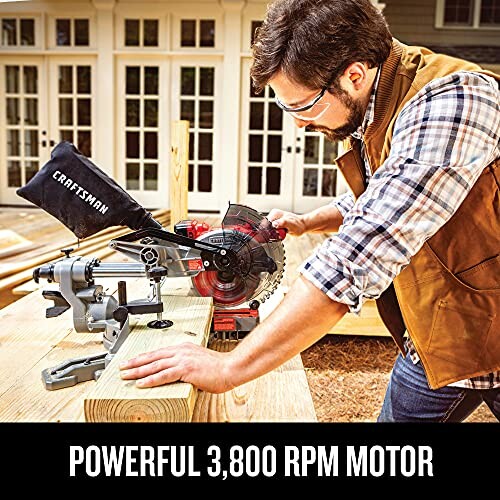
x=239 y=265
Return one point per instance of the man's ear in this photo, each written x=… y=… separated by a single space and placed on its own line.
x=356 y=74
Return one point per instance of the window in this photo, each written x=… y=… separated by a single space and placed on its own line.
x=72 y=32
x=468 y=14
x=197 y=33
x=254 y=26
x=141 y=33
x=17 y=32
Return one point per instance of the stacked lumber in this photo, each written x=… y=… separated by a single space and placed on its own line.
x=14 y=274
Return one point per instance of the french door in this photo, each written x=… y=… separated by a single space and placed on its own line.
x=46 y=100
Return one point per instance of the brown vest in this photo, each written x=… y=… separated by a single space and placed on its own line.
x=448 y=297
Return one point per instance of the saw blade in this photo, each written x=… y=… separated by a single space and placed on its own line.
x=260 y=259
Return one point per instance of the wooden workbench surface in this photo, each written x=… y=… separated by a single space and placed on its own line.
x=30 y=343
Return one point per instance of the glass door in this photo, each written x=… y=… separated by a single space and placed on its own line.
x=318 y=179
x=24 y=146
x=195 y=98
x=73 y=86
x=268 y=150
x=143 y=139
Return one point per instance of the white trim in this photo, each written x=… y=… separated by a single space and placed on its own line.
x=476 y=16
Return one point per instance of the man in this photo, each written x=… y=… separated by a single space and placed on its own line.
x=420 y=232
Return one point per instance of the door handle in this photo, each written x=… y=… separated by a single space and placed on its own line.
x=289 y=149
x=52 y=143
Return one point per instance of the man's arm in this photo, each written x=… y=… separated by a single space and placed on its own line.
x=324 y=219
x=303 y=317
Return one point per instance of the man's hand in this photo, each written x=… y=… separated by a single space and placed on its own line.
x=206 y=369
x=292 y=222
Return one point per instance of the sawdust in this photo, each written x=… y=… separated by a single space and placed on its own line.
x=348 y=377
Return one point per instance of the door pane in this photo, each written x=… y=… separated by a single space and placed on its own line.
x=330 y=152
x=133 y=173
x=83 y=82
x=13 y=143
x=206 y=114
x=30 y=169
x=30 y=79
x=150 y=145
x=275 y=117
x=188 y=33
x=12 y=109
x=65 y=111
x=205 y=147
x=255 y=150
x=151 y=113
x=13 y=173
x=31 y=143
x=66 y=135
x=151 y=80
x=133 y=80
x=205 y=178
x=255 y=180
x=274 y=148
x=132 y=144
x=9 y=32
x=132 y=32
x=84 y=111
x=27 y=32
x=132 y=112
x=63 y=32
x=12 y=79
x=329 y=183
x=65 y=79
x=310 y=186
x=81 y=32
x=311 y=150
x=84 y=142
x=150 y=176
x=187 y=81
x=150 y=33
x=256 y=116
x=207 y=81
x=273 y=180
x=31 y=111
x=187 y=112
x=207 y=33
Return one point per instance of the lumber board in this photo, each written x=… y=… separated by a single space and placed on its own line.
x=281 y=395
x=117 y=400
x=179 y=171
x=31 y=343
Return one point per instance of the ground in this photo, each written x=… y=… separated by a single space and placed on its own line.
x=348 y=377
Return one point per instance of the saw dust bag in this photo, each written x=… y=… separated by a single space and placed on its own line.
x=81 y=196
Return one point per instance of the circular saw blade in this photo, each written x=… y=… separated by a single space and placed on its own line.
x=224 y=292
x=260 y=256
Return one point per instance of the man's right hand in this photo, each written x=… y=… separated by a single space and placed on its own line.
x=292 y=222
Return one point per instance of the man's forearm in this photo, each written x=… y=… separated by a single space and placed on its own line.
x=303 y=317
x=324 y=219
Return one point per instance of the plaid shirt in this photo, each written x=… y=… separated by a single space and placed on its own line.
x=443 y=139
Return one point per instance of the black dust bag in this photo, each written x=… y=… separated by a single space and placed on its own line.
x=81 y=196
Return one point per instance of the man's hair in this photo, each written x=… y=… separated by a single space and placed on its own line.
x=313 y=41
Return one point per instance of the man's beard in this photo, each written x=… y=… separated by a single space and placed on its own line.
x=354 y=120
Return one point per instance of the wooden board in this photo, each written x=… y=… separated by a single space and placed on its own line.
x=117 y=400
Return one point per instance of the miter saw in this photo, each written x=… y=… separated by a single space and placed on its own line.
x=239 y=263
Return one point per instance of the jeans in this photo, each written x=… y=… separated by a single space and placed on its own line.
x=409 y=398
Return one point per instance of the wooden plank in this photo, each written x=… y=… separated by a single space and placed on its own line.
x=179 y=171
x=31 y=343
x=117 y=400
x=281 y=395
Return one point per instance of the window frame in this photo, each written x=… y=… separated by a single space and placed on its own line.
x=476 y=17
x=134 y=16
x=52 y=32
x=19 y=17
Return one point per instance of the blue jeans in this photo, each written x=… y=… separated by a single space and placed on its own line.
x=409 y=398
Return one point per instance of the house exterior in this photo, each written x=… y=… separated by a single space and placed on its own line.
x=111 y=76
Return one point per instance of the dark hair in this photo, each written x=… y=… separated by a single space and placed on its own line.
x=314 y=41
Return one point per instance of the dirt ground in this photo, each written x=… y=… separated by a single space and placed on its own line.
x=348 y=377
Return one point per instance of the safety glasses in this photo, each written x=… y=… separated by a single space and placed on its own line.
x=308 y=112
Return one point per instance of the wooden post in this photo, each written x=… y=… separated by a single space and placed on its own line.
x=179 y=172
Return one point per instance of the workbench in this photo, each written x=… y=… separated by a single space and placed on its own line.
x=29 y=343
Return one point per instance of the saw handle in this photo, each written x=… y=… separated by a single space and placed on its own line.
x=282 y=232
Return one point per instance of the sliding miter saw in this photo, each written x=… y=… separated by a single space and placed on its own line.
x=241 y=262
